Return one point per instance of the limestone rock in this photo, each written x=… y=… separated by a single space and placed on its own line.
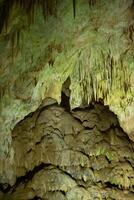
x=56 y=156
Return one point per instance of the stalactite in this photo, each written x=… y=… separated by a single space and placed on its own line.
x=74 y=7
x=6 y=6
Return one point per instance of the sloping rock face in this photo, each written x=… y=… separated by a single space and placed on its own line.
x=63 y=155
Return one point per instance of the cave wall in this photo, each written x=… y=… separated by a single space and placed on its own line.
x=95 y=50
x=70 y=155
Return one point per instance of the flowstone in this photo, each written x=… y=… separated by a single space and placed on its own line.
x=71 y=155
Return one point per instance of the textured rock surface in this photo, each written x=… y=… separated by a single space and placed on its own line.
x=95 y=50
x=62 y=155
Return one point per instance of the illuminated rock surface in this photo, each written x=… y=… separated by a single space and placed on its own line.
x=71 y=156
x=88 y=59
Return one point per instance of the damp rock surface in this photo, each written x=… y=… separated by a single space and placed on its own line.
x=62 y=155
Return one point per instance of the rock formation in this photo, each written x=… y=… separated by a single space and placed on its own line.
x=60 y=80
x=82 y=154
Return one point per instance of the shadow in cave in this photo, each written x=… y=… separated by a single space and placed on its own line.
x=65 y=94
x=28 y=176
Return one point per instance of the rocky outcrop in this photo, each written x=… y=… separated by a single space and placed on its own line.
x=70 y=155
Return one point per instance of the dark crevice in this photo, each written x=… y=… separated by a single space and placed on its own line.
x=30 y=115
x=5 y=188
x=65 y=172
x=87 y=127
x=82 y=152
x=130 y=162
x=65 y=95
x=65 y=101
x=78 y=119
x=63 y=192
x=40 y=141
x=29 y=150
x=41 y=109
x=29 y=175
x=111 y=185
x=109 y=161
x=74 y=8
